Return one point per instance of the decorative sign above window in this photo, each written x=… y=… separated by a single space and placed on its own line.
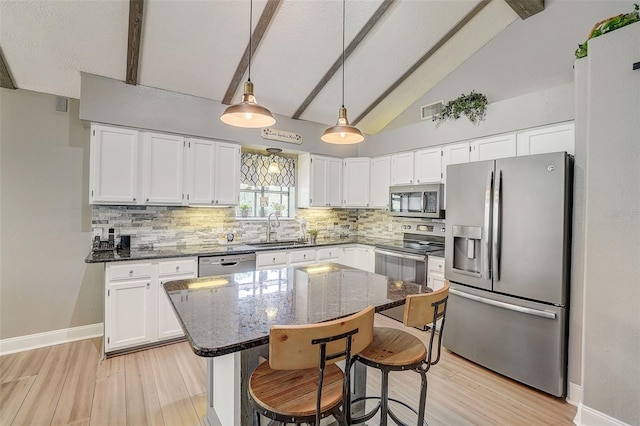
x=282 y=136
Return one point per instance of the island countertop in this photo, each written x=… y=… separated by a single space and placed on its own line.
x=226 y=314
x=214 y=249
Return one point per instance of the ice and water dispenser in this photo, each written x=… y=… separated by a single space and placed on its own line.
x=467 y=249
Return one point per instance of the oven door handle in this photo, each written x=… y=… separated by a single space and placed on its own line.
x=401 y=255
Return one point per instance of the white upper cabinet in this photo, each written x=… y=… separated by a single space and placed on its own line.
x=402 y=168
x=114 y=165
x=379 y=182
x=227 y=174
x=547 y=139
x=200 y=171
x=334 y=182
x=319 y=182
x=454 y=154
x=213 y=173
x=493 y=148
x=428 y=165
x=163 y=169
x=355 y=180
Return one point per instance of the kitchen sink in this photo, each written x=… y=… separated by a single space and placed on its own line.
x=279 y=244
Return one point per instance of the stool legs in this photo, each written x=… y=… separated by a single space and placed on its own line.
x=384 y=400
x=423 y=396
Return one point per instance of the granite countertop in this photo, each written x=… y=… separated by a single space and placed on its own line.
x=214 y=249
x=221 y=315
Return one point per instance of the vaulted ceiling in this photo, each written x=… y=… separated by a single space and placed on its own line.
x=396 y=50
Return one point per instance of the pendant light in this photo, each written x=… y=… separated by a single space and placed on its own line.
x=342 y=132
x=274 y=167
x=248 y=113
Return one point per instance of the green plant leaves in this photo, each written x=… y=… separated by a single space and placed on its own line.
x=606 y=26
x=473 y=105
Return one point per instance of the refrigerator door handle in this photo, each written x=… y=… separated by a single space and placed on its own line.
x=486 y=270
x=497 y=192
x=509 y=306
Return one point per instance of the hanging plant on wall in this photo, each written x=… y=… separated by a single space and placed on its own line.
x=473 y=105
x=608 y=25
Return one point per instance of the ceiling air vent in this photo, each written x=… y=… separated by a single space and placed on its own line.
x=428 y=111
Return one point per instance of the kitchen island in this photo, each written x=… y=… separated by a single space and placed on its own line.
x=227 y=319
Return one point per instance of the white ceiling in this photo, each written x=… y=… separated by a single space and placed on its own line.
x=194 y=47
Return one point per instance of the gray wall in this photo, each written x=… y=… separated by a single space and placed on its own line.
x=45 y=219
x=547 y=106
x=611 y=368
x=110 y=101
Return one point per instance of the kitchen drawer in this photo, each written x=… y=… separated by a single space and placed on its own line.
x=129 y=270
x=173 y=267
x=330 y=253
x=302 y=256
x=278 y=258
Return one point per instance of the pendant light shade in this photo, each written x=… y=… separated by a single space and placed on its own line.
x=274 y=167
x=248 y=113
x=343 y=132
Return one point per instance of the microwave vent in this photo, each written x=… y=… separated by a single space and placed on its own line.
x=428 y=111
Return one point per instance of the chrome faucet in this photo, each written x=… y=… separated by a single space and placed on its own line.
x=270 y=227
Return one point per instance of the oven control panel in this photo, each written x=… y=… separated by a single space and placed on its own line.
x=431 y=229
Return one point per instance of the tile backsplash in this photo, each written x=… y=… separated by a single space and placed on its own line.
x=155 y=226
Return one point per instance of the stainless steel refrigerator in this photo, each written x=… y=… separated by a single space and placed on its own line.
x=507 y=256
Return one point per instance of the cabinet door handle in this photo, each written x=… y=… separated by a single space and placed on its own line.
x=131 y=272
x=212 y=201
x=148 y=284
x=134 y=199
x=177 y=268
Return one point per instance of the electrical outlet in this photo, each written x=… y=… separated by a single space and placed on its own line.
x=391 y=227
x=97 y=233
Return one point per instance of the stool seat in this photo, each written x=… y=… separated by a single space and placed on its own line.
x=293 y=392
x=394 y=348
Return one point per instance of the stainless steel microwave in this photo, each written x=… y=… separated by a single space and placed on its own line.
x=417 y=200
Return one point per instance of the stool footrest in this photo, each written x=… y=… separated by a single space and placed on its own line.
x=370 y=414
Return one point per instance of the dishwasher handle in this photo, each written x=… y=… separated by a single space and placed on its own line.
x=229 y=264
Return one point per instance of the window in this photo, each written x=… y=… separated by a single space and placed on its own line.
x=260 y=201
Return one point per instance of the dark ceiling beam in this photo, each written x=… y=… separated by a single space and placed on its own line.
x=5 y=77
x=423 y=59
x=268 y=13
x=347 y=52
x=133 y=46
x=526 y=8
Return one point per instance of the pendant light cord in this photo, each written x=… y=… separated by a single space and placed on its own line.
x=343 y=21
x=250 y=36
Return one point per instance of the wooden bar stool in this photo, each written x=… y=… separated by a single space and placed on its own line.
x=397 y=350
x=300 y=382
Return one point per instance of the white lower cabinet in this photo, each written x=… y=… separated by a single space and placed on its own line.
x=435 y=273
x=302 y=257
x=137 y=310
x=129 y=314
x=359 y=256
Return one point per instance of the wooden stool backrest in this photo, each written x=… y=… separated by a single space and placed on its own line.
x=291 y=348
x=419 y=308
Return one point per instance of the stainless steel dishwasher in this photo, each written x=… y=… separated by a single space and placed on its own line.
x=226 y=264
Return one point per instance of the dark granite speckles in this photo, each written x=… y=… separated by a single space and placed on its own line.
x=182 y=250
x=221 y=315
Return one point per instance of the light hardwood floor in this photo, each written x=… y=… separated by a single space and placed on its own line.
x=69 y=384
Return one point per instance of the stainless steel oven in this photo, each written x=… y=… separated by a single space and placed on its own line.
x=406 y=260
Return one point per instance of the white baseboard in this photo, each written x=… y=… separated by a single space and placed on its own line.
x=589 y=417
x=574 y=394
x=50 y=338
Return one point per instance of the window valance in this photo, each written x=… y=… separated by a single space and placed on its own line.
x=254 y=170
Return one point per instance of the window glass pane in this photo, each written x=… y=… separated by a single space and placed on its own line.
x=277 y=201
